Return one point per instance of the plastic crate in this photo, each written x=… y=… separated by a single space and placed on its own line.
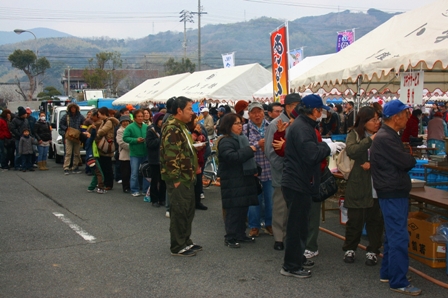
x=442 y=178
x=432 y=178
x=420 y=163
x=339 y=138
x=417 y=173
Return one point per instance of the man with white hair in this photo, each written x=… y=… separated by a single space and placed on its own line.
x=208 y=122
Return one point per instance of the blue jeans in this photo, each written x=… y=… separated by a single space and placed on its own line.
x=135 y=177
x=395 y=256
x=254 y=213
x=43 y=153
x=17 y=158
x=27 y=161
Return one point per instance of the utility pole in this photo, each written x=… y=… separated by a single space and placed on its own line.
x=185 y=16
x=68 y=81
x=199 y=12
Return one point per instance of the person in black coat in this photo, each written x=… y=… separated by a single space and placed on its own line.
x=300 y=180
x=237 y=169
x=158 y=187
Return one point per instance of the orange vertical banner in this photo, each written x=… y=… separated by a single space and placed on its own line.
x=279 y=52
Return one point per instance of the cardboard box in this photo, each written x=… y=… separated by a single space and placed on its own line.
x=421 y=247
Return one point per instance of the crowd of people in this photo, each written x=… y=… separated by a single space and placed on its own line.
x=271 y=163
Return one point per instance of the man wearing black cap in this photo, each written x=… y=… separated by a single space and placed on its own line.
x=389 y=164
x=279 y=209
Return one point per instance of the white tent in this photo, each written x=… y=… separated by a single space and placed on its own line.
x=415 y=40
x=146 y=91
x=224 y=84
x=267 y=94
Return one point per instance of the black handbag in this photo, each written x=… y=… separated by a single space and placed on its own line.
x=9 y=143
x=145 y=169
x=327 y=187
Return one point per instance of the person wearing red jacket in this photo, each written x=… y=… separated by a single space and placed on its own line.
x=5 y=138
x=412 y=126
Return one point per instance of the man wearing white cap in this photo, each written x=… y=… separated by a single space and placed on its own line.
x=208 y=122
x=255 y=131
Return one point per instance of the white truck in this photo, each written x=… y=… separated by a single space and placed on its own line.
x=58 y=145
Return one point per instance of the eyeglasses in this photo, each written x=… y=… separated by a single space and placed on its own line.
x=376 y=120
x=238 y=123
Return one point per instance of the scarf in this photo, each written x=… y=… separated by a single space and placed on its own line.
x=249 y=166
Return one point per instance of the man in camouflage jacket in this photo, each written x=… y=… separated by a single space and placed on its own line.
x=179 y=162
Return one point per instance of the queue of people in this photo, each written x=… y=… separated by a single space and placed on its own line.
x=24 y=140
x=270 y=172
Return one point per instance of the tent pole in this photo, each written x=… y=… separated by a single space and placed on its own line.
x=357 y=99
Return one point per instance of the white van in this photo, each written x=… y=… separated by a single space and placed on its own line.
x=58 y=146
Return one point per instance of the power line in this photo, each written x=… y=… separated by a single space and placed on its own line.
x=321 y=6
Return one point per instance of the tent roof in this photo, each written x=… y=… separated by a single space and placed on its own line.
x=224 y=84
x=146 y=91
x=413 y=40
x=266 y=93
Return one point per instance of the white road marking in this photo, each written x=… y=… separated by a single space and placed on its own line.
x=75 y=227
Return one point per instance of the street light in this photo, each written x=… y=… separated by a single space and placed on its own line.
x=20 y=31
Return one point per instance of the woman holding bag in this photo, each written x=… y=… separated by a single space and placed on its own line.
x=237 y=169
x=106 y=133
x=360 y=197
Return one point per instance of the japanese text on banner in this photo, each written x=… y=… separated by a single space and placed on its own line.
x=411 y=87
x=279 y=52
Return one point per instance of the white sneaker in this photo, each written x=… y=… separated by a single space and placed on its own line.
x=167 y=214
x=310 y=254
x=202 y=196
x=135 y=194
x=119 y=181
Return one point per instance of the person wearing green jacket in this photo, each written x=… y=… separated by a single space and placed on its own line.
x=361 y=199
x=179 y=164
x=135 y=135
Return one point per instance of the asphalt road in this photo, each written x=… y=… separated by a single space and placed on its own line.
x=57 y=240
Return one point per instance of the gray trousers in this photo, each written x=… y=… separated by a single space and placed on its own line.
x=280 y=218
x=313 y=228
x=279 y=215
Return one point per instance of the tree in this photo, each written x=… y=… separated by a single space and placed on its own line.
x=173 y=67
x=102 y=71
x=49 y=93
x=27 y=62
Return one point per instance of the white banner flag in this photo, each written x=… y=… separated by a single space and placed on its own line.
x=411 y=87
x=228 y=60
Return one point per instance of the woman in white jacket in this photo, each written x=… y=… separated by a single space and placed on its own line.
x=124 y=158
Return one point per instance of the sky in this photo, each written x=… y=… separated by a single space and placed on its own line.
x=139 y=18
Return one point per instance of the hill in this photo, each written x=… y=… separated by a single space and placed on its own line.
x=7 y=37
x=250 y=41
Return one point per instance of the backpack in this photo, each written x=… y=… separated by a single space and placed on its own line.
x=345 y=163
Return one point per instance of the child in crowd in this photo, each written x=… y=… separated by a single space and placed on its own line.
x=92 y=160
x=26 y=150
